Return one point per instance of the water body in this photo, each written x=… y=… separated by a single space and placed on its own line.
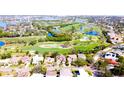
x=50 y=34
x=2 y=43
x=93 y=33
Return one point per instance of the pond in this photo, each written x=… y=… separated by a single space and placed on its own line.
x=94 y=33
x=2 y=43
x=50 y=34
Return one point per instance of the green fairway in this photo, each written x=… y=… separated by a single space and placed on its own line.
x=42 y=50
x=15 y=39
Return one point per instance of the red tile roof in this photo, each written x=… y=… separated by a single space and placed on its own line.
x=110 y=61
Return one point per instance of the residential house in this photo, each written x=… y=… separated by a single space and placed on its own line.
x=66 y=72
x=110 y=55
x=37 y=59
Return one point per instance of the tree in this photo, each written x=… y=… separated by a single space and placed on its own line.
x=101 y=69
x=107 y=73
x=101 y=65
x=73 y=29
x=118 y=70
x=44 y=55
x=89 y=58
x=27 y=52
x=54 y=55
x=121 y=59
x=5 y=55
x=36 y=52
x=49 y=28
x=79 y=63
x=1 y=31
x=43 y=69
x=67 y=63
x=33 y=42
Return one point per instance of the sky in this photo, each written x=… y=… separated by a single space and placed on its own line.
x=61 y=7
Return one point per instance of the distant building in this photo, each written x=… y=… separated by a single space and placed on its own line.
x=115 y=38
x=3 y=25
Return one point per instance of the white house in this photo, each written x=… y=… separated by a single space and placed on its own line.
x=83 y=73
x=85 y=38
x=82 y=56
x=49 y=59
x=66 y=72
x=73 y=57
x=110 y=55
x=37 y=59
x=5 y=61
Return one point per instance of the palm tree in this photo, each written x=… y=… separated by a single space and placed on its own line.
x=54 y=55
x=73 y=29
x=44 y=56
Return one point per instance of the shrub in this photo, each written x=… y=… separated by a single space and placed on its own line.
x=89 y=72
x=27 y=52
x=33 y=42
x=5 y=55
x=121 y=59
x=67 y=63
x=36 y=52
x=74 y=74
x=41 y=40
x=20 y=62
x=89 y=58
x=43 y=69
x=101 y=65
x=65 y=37
x=107 y=74
x=79 y=62
x=118 y=70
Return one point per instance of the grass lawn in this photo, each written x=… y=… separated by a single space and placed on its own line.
x=89 y=46
x=83 y=46
x=42 y=50
x=69 y=27
x=20 y=38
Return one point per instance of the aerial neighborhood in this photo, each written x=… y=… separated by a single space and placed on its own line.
x=61 y=46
